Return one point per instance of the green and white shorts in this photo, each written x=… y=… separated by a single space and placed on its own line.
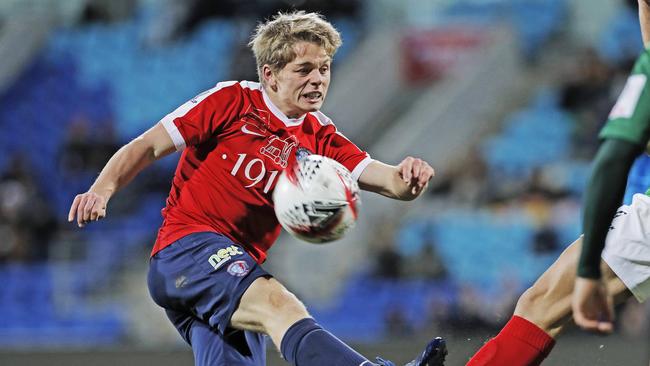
x=627 y=247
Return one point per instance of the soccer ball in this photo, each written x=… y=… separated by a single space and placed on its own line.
x=316 y=199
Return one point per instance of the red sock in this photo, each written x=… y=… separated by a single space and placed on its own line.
x=520 y=343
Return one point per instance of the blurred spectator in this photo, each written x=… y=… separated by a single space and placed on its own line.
x=468 y=183
x=470 y=309
x=426 y=263
x=441 y=312
x=538 y=200
x=76 y=150
x=106 y=10
x=587 y=95
x=83 y=151
x=388 y=261
x=104 y=143
x=177 y=18
x=396 y=322
x=545 y=240
x=589 y=81
x=243 y=66
x=26 y=221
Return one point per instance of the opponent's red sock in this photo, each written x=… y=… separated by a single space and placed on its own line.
x=520 y=343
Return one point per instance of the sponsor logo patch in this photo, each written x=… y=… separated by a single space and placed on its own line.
x=238 y=268
x=223 y=255
x=629 y=97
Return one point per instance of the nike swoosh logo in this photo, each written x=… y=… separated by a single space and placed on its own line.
x=245 y=130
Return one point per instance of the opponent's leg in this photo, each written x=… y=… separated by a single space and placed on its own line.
x=541 y=314
x=548 y=302
x=269 y=307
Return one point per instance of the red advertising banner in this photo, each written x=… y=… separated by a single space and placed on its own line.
x=427 y=54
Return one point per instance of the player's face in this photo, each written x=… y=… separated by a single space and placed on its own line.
x=301 y=86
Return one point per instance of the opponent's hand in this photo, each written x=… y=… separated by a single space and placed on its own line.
x=593 y=306
x=416 y=173
x=87 y=207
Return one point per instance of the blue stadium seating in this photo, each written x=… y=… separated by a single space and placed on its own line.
x=137 y=85
x=621 y=40
x=361 y=310
x=38 y=310
x=532 y=137
x=490 y=252
x=534 y=21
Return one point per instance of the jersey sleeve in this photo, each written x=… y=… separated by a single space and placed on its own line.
x=629 y=119
x=204 y=115
x=332 y=144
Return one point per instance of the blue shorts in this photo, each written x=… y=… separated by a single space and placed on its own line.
x=199 y=280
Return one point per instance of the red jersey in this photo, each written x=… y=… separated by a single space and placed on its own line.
x=235 y=143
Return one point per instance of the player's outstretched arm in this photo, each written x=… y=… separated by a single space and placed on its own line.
x=592 y=304
x=121 y=168
x=405 y=181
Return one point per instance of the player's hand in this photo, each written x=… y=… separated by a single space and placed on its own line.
x=416 y=173
x=87 y=207
x=593 y=306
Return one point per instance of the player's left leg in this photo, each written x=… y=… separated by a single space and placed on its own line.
x=544 y=309
x=210 y=347
x=198 y=280
x=267 y=306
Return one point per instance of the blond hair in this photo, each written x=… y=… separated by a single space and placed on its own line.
x=273 y=41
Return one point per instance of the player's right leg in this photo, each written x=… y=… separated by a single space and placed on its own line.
x=541 y=314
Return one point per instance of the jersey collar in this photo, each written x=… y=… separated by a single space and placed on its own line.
x=289 y=122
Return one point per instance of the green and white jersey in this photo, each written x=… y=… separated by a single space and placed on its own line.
x=629 y=120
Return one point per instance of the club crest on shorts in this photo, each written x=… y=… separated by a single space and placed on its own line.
x=238 y=268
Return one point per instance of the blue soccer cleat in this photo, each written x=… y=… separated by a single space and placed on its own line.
x=433 y=355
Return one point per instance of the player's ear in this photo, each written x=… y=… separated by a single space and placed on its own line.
x=269 y=78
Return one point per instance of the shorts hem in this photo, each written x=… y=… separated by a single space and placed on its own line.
x=241 y=289
x=616 y=264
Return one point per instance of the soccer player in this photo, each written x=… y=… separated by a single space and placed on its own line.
x=592 y=305
x=219 y=221
x=609 y=263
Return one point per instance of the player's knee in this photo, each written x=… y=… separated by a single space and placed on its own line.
x=268 y=306
x=531 y=303
x=275 y=304
x=283 y=303
x=541 y=306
